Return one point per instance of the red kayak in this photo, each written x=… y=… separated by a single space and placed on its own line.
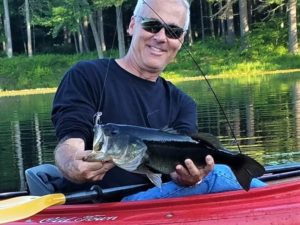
x=275 y=204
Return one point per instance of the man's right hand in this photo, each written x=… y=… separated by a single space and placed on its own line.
x=69 y=155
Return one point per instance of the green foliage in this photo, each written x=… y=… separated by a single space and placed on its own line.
x=266 y=38
x=215 y=57
x=107 y=3
x=40 y=71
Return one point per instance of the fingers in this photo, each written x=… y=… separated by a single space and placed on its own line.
x=192 y=169
x=210 y=164
x=100 y=173
x=187 y=176
x=90 y=171
x=191 y=174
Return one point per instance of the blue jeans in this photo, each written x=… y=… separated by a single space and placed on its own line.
x=219 y=180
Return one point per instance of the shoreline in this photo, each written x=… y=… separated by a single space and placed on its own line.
x=27 y=92
x=200 y=77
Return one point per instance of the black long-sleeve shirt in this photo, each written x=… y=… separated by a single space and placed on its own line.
x=102 y=85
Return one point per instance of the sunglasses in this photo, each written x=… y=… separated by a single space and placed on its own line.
x=154 y=26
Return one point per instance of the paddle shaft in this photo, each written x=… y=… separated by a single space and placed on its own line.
x=12 y=194
x=96 y=194
x=278 y=176
x=274 y=172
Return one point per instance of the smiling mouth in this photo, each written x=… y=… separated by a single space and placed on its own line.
x=157 y=49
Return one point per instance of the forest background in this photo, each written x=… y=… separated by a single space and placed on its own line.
x=41 y=39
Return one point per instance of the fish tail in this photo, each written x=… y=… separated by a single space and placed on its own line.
x=246 y=170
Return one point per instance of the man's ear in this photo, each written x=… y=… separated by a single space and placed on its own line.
x=131 y=26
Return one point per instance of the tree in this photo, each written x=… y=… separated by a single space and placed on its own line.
x=28 y=28
x=244 y=27
x=121 y=39
x=100 y=28
x=202 y=20
x=189 y=38
x=292 y=14
x=9 y=48
x=230 y=38
x=211 y=19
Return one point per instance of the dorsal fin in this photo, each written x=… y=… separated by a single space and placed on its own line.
x=169 y=130
x=208 y=138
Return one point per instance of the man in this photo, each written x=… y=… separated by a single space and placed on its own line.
x=128 y=90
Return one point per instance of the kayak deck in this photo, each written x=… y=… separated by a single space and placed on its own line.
x=275 y=204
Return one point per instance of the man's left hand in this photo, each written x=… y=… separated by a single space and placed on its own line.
x=191 y=174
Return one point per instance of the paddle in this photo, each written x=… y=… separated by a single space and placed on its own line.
x=12 y=194
x=22 y=207
x=25 y=206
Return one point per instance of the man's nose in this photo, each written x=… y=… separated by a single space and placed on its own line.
x=161 y=35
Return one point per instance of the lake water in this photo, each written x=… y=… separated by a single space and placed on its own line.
x=264 y=113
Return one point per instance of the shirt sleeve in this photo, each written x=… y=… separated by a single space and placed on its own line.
x=74 y=104
x=186 y=121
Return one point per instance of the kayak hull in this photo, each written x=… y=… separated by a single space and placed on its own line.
x=274 y=204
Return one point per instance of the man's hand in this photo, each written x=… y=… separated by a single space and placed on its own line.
x=192 y=174
x=69 y=157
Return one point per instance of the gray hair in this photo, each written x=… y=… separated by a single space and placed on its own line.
x=139 y=6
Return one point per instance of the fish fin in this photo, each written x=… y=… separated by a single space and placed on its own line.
x=135 y=162
x=155 y=178
x=247 y=169
x=169 y=130
x=208 y=138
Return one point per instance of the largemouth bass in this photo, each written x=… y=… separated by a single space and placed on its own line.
x=154 y=152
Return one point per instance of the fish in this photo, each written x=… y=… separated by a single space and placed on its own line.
x=154 y=152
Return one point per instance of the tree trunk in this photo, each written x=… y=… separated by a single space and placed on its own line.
x=96 y=36
x=221 y=27
x=292 y=12
x=230 y=25
x=33 y=39
x=2 y=41
x=202 y=20
x=28 y=28
x=101 y=29
x=84 y=29
x=65 y=35
x=80 y=44
x=244 y=27
x=189 y=36
x=121 y=39
x=9 y=48
x=211 y=20
x=250 y=11
x=75 y=43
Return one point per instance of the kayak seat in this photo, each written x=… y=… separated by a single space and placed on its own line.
x=47 y=179
x=43 y=179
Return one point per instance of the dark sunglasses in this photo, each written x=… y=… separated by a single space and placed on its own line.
x=154 y=26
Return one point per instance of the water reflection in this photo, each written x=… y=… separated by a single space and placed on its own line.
x=16 y=133
x=297 y=112
x=264 y=114
x=38 y=138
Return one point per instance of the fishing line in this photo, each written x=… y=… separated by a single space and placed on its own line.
x=203 y=74
x=97 y=116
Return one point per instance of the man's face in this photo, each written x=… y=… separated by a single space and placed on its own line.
x=153 y=51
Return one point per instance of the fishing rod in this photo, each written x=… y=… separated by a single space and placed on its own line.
x=97 y=117
x=202 y=73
